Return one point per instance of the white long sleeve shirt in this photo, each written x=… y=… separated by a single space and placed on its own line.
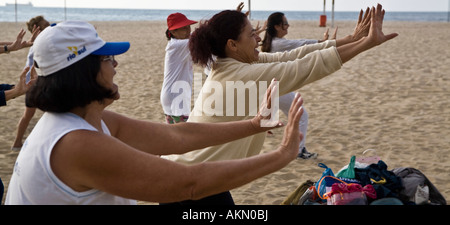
x=178 y=74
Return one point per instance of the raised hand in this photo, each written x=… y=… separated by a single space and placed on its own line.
x=376 y=35
x=363 y=25
x=18 y=43
x=326 y=35
x=240 y=7
x=335 y=33
x=292 y=136
x=22 y=86
x=348 y=49
x=259 y=29
x=264 y=117
x=34 y=33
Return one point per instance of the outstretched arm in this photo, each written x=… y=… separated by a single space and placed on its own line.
x=18 y=43
x=86 y=160
x=22 y=86
x=164 y=139
x=361 y=30
x=326 y=35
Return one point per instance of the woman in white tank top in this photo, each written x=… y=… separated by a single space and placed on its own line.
x=80 y=153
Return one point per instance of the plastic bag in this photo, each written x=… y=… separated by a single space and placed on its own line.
x=349 y=171
x=309 y=195
x=320 y=184
x=350 y=194
x=352 y=198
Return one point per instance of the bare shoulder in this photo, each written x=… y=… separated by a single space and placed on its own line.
x=82 y=158
x=74 y=150
x=80 y=141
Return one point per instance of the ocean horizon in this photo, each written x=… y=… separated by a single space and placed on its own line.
x=24 y=13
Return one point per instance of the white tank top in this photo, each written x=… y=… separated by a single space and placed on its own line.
x=33 y=181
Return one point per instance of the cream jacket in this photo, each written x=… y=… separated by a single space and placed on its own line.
x=292 y=69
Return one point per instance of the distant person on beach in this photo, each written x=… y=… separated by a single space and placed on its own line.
x=276 y=29
x=178 y=72
x=230 y=36
x=80 y=153
x=38 y=22
x=10 y=91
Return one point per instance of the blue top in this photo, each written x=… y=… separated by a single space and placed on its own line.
x=3 y=88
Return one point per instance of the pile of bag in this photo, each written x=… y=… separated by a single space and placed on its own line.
x=367 y=183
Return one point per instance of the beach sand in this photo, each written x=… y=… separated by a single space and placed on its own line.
x=394 y=99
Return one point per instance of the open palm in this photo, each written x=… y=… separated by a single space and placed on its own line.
x=376 y=35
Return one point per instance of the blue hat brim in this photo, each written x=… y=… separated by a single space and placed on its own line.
x=112 y=48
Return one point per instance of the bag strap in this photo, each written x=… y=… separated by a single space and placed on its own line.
x=322 y=165
x=369 y=159
x=325 y=196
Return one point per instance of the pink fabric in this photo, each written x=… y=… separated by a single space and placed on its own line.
x=349 y=188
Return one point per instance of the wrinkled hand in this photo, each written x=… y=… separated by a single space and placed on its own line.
x=258 y=29
x=22 y=86
x=363 y=25
x=335 y=33
x=263 y=120
x=292 y=136
x=240 y=7
x=376 y=35
x=34 y=33
x=325 y=35
x=18 y=43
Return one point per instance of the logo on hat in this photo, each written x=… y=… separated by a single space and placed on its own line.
x=75 y=52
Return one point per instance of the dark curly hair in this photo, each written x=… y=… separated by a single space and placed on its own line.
x=211 y=36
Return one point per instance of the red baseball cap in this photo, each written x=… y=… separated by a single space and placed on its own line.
x=178 y=20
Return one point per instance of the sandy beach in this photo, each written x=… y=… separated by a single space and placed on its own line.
x=394 y=98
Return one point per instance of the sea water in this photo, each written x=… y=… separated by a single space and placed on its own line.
x=24 y=13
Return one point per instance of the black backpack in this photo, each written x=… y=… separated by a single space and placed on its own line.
x=412 y=179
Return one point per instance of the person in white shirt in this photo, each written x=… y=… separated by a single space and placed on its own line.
x=277 y=28
x=38 y=22
x=230 y=36
x=274 y=41
x=178 y=72
x=81 y=153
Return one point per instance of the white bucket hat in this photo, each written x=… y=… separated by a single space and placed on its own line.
x=66 y=43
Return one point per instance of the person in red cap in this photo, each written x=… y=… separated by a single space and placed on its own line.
x=178 y=71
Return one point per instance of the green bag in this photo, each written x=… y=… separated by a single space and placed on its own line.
x=348 y=172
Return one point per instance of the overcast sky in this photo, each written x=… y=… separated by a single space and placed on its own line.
x=270 y=5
